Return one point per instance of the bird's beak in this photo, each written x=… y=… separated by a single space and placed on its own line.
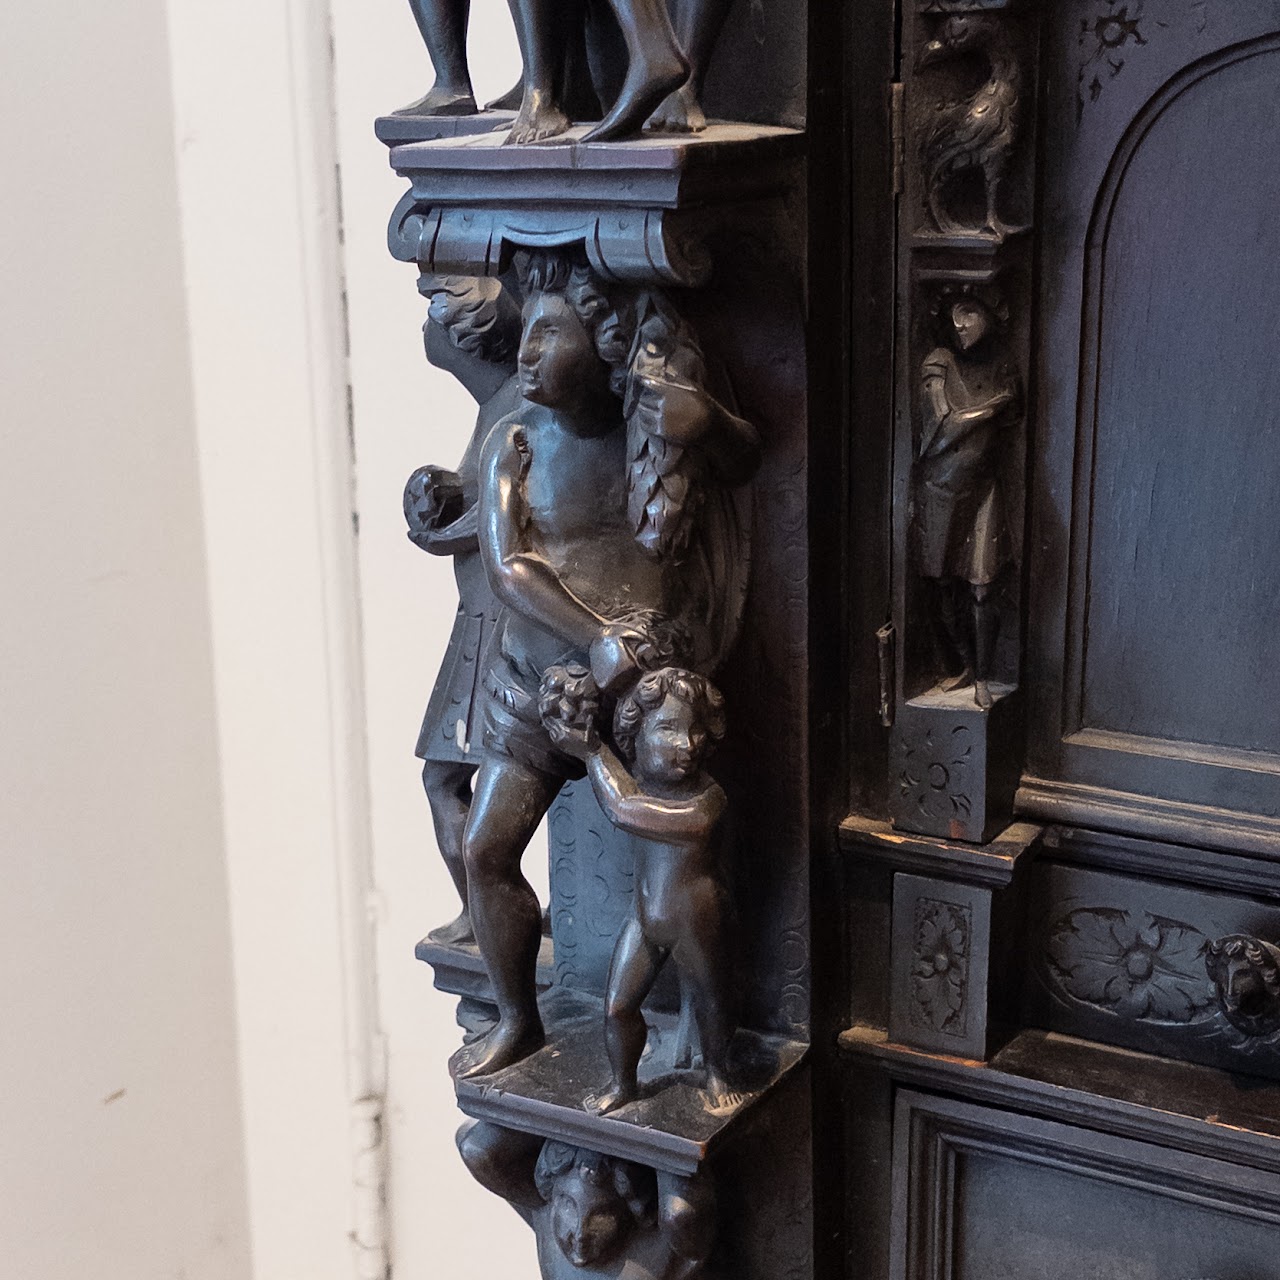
x=933 y=52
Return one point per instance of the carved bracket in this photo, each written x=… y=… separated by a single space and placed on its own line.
x=642 y=210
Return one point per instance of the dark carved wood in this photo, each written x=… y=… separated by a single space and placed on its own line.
x=966 y=114
x=1014 y=582
x=641 y=420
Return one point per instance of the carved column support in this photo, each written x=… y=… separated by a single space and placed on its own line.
x=967 y=128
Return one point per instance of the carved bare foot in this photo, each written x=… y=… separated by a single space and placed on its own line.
x=442 y=101
x=648 y=82
x=538 y=120
x=680 y=112
x=510 y=101
x=721 y=1096
x=505 y=1045
x=456 y=933
x=982 y=695
x=613 y=1098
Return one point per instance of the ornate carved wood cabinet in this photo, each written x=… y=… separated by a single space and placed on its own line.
x=913 y=441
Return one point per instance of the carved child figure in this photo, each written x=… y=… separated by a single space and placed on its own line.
x=656 y=788
x=969 y=402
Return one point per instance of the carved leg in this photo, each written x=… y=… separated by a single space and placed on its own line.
x=655 y=67
x=698 y=27
x=632 y=973
x=542 y=27
x=443 y=24
x=954 y=631
x=510 y=801
x=448 y=788
x=986 y=630
x=994 y=175
x=703 y=956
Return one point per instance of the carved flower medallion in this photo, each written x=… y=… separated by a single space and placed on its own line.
x=1138 y=966
x=940 y=967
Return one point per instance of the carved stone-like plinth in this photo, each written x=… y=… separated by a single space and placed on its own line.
x=954 y=769
x=395 y=130
x=640 y=208
x=669 y=1128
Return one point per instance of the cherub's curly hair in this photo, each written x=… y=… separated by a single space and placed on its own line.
x=610 y=323
x=648 y=694
x=624 y=1179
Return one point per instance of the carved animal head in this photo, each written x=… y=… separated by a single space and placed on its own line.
x=596 y=1201
x=960 y=34
x=1246 y=973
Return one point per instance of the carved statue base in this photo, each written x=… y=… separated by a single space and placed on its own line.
x=395 y=130
x=953 y=771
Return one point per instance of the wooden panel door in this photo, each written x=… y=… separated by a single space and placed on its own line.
x=1154 y=624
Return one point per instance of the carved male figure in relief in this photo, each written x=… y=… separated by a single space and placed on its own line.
x=595 y=1215
x=473 y=331
x=656 y=789
x=578 y=585
x=969 y=403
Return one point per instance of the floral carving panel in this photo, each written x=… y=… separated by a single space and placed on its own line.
x=940 y=969
x=1135 y=965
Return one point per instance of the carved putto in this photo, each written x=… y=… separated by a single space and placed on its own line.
x=969 y=401
x=651 y=783
x=974 y=135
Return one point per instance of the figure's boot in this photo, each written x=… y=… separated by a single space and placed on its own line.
x=954 y=623
x=986 y=619
x=443 y=24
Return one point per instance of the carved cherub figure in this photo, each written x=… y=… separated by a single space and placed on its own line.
x=595 y=1215
x=1246 y=972
x=656 y=788
x=969 y=400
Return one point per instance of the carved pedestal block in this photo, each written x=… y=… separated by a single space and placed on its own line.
x=954 y=770
x=955 y=952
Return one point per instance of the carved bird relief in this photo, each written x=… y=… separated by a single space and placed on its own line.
x=977 y=133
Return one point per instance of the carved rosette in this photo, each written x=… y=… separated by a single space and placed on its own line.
x=934 y=774
x=940 y=968
x=1132 y=965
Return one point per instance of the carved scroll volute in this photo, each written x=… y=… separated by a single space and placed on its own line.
x=1245 y=972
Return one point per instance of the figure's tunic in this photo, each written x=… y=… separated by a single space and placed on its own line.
x=450 y=731
x=961 y=527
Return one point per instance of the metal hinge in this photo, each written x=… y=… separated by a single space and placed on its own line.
x=899 y=129
x=886 y=639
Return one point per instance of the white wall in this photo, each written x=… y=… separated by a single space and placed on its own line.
x=120 y=1137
